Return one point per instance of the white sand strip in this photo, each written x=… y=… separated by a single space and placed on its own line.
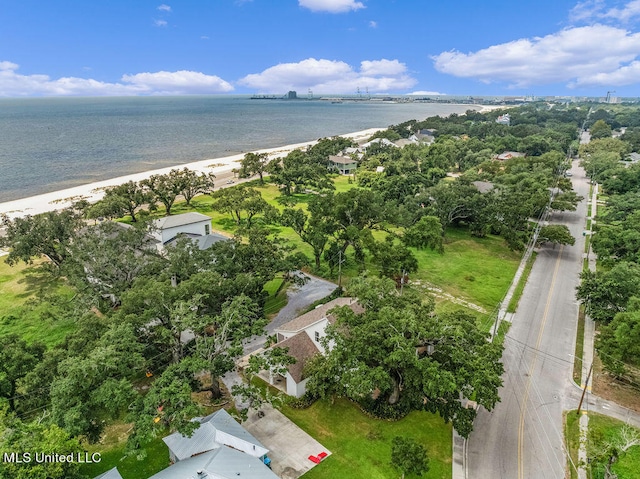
x=92 y=192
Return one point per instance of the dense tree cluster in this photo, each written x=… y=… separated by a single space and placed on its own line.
x=610 y=294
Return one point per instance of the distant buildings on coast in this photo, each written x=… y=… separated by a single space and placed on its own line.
x=359 y=96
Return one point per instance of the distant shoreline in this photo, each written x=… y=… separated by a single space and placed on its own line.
x=92 y=192
x=221 y=167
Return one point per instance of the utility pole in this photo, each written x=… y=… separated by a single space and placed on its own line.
x=340 y=269
x=402 y=281
x=586 y=383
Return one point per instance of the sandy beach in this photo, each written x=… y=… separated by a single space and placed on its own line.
x=92 y=192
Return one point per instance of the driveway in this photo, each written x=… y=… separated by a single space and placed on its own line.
x=289 y=446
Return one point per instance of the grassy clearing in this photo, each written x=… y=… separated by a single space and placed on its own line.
x=361 y=446
x=602 y=429
x=579 y=350
x=478 y=270
x=111 y=449
x=32 y=303
x=517 y=294
x=277 y=289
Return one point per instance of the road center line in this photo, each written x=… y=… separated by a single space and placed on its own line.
x=525 y=397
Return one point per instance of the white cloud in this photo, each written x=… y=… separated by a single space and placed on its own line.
x=597 y=10
x=575 y=56
x=425 y=93
x=160 y=23
x=373 y=24
x=13 y=84
x=164 y=8
x=332 y=6
x=178 y=83
x=331 y=76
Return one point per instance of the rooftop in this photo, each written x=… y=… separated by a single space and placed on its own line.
x=302 y=348
x=317 y=314
x=180 y=220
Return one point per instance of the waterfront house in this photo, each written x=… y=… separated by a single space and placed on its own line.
x=344 y=164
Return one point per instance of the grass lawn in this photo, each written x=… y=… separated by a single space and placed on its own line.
x=478 y=270
x=20 y=312
x=602 y=429
x=361 y=446
x=112 y=448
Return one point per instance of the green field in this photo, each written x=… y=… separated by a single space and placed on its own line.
x=361 y=446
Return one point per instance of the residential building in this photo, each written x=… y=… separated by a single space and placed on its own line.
x=345 y=164
x=196 y=226
x=216 y=430
x=303 y=338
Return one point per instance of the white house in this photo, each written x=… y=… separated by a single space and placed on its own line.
x=302 y=336
x=227 y=444
x=168 y=228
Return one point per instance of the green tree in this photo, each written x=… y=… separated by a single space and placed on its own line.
x=314 y=228
x=17 y=436
x=619 y=341
x=165 y=188
x=254 y=164
x=238 y=200
x=426 y=233
x=193 y=184
x=48 y=234
x=91 y=388
x=409 y=456
x=109 y=257
x=606 y=293
x=120 y=200
x=17 y=359
x=218 y=340
x=399 y=356
x=393 y=258
x=556 y=234
x=600 y=129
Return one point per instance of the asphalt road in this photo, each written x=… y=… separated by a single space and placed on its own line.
x=523 y=436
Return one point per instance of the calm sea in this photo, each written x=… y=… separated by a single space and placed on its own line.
x=47 y=144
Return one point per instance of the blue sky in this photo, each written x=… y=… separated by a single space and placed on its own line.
x=493 y=47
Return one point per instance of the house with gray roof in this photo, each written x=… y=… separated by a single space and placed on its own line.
x=223 y=462
x=344 y=164
x=216 y=430
x=110 y=474
x=167 y=228
x=196 y=226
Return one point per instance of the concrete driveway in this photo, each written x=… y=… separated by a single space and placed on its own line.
x=289 y=446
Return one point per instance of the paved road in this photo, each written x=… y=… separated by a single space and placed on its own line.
x=523 y=436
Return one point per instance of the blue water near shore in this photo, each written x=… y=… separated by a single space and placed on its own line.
x=47 y=144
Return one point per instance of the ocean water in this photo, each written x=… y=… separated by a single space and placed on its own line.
x=47 y=144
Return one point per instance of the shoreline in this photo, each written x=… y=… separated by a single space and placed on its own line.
x=221 y=167
x=94 y=191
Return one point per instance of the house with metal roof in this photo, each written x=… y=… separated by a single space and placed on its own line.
x=223 y=462
x=216 y=430
x=167 y=228
x=110 y=474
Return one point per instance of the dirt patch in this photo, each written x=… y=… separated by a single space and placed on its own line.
x=613 y=390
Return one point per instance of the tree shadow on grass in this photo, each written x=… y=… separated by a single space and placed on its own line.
x=38 y=280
